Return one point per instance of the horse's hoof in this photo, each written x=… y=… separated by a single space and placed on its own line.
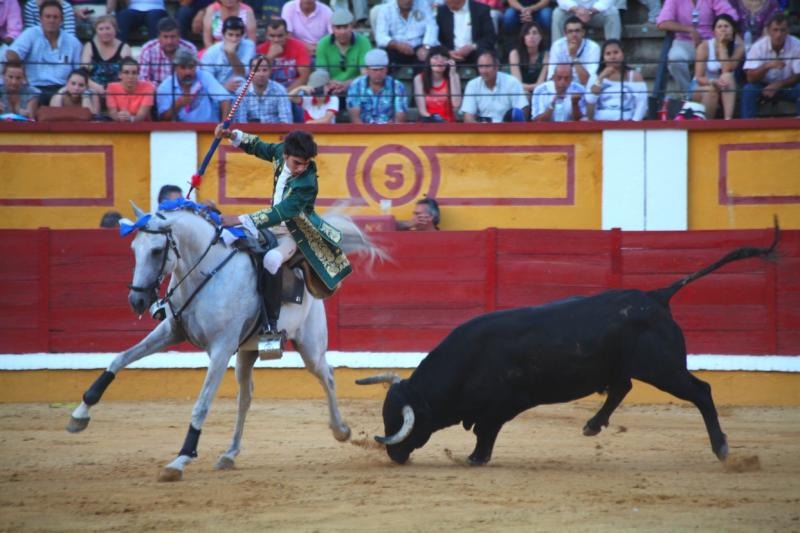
x=170 y=474
x=76 y=425
x=224 y=463
x=342 y=435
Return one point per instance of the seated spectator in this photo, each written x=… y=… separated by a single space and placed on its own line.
x=265 y=101
x=318 y=104
x=31 y=15
x=525 y=11
x=267 y=10
x=574 y=49
x=772 y=68
x=218 y=12
x=653 y=8
x=426 y=217
x=496 y=10
x=529 y=59
x=376 y=98
x=169 y=192
x=691 y=25
x=190 y=16
x=10 y=24
x=131 y=99
x=715 y=68
x=49 y=54
x=342 y=53
x=110 y=219
x=289 y=57
x=102 y=54
x=191 y=95
x=16 y=96
x=227 y=60
x=616 y=92
x=437 y=89
x=595 y=13
x=406 y=29
x=494 y=96
x=753 y=16
x=138 y=13
x=360 y=9
x=560 y=99
x=308 y=21
x=76 y=93
x=465 y=26
x=156 y=57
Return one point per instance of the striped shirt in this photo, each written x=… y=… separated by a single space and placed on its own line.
x=30 y=16
x=272 y=107
x=154 y=65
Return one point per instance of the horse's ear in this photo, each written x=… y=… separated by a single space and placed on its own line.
x=136 y=211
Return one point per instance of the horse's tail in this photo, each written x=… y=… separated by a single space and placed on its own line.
x=355 y=241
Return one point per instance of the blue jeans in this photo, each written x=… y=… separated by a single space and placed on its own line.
x=511 y=22
x=751 y=93
x=129 y=19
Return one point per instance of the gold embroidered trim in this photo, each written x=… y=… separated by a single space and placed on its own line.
x=333 y=263
x=261 y=217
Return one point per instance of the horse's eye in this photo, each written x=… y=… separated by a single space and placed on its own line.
x=157 y=252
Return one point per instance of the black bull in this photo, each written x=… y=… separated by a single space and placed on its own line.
x=497 y=365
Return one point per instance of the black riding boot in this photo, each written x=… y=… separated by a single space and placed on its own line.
x=273 y=286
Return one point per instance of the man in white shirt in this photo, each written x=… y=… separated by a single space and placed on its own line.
x=575 y=49
x=494 y=96
x=227 y=60
x=407 y=30
x=558 y=100
x=465 y=28
x=595 y=13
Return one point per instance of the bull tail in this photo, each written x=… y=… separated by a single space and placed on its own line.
x=665 y=294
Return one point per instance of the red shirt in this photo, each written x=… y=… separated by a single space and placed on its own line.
x=438 y=101
x=116 y=96
x=284 y=67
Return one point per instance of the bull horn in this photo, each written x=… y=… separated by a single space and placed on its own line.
x=136 y=211
x=386 y=377
x=405 y=430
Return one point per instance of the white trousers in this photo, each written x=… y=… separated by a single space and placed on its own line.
x=280 y=254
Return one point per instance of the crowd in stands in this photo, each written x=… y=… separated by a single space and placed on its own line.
x=518 y=60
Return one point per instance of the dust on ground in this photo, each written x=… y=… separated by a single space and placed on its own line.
x=652 y=469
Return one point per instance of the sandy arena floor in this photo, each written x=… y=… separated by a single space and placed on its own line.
x=652 y=469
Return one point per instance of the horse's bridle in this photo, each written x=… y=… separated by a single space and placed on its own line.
x=169 y=242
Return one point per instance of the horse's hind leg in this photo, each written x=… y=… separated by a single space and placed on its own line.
x=244 y=377
x=162 y=336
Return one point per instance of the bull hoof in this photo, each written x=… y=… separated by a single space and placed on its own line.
x=76 y=425
x=224 y=463
x=590 y=431
x=722 y=453
x=168 y=474
x=342 y=435
x=472 y=460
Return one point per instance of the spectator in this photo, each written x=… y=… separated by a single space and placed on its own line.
x=494 y=96
x=318 y=104
x=406 y=29
x=265 y=101
x=169 y=192
x=342 y=53
x=191 y=95
x=308 y=21
x=131 y=99
x=611 y=96
x=692 y=24
x=360 y=8
x=10 y=24
x=575 y=49
x=190 y=16
x=102 y=54
x=426 y=217
x=526 y=11
x=376 y=98
x=496 y=10
x=437 y=89
x=16 y=96
x=267 y=10
x=218 y=12
x=528 y=60
x=560 y=99
x=465 y=26
x=289 y=57
x=110 y=219
x=155 y=59
x=653 y=8
x=76 y=93
x=227 y=59
x=753 y=16
x=32 y=11
x=772 y=68
x=595 y=13
x=715 y=67
x=49 y=53
x=137 y=14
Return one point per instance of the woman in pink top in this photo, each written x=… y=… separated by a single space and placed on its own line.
x=216 y=14
x=131 y=99
x=437 y=89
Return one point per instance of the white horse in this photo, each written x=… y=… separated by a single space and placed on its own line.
x=215 y=306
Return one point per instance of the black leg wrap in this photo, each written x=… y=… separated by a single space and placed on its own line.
x=190 y=444
x=95 y=392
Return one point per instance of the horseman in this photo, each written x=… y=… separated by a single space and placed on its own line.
x=291 y=218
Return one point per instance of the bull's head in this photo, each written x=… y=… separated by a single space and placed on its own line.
x=405 y=430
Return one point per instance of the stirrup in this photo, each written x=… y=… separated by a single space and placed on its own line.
x=270 y=345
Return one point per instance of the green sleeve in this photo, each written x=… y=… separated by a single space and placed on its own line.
x=255 y=146
x=321 y=57
x=303 y=194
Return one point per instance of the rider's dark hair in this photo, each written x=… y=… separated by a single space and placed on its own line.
x=166 y=190
x=300 y=144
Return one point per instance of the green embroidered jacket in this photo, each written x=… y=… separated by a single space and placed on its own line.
x=318 y=241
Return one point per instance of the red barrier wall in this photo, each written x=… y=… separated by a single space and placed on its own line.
x=66 y=290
